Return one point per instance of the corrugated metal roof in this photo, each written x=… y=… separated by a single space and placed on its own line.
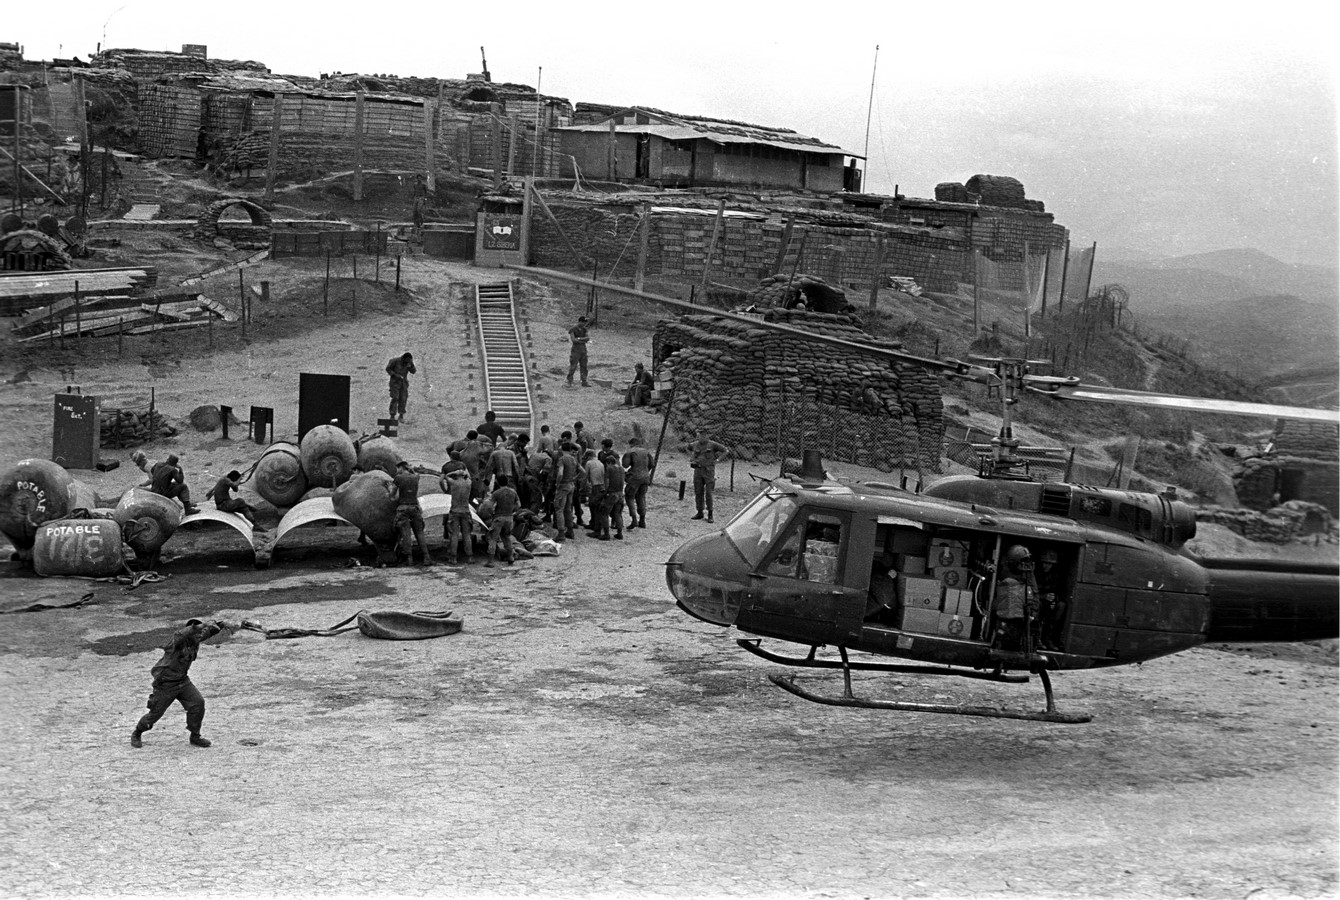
x=726 y=134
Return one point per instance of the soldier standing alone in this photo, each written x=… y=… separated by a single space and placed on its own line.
x=580 y=337
x=703 y=456
x=400 y=368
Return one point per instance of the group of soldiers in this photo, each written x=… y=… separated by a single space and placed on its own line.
x=514 y=486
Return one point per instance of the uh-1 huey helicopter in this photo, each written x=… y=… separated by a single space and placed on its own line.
x=872 y=567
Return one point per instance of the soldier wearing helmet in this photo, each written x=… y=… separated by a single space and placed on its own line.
x=1051 y=584
x=1016 y=600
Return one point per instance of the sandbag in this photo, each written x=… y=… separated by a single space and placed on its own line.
x=328 y=456
x=32 y=492
x=406 y=626
x=147 y=519
x=87 y=547
x=278 y=476
x=368 y=502
x=378 y=453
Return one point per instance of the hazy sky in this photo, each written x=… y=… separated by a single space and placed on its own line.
x=1168 y=128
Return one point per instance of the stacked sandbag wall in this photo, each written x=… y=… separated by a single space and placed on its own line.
x=1278 y=525
x=119 y=428
x=745 y=249
x=767 y=395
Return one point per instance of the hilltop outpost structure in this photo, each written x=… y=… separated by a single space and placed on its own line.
x=645 y=145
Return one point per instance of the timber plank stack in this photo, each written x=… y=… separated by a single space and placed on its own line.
x=25 y=291
x=733 y=379
x=103 y=316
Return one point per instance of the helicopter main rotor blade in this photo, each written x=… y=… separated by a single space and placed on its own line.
x=1070 y=389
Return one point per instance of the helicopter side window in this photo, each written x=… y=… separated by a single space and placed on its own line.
x=810 y=550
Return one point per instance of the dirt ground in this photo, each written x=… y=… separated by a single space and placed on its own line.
x=581 y=736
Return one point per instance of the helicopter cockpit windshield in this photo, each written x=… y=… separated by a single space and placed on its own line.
x=753 y=530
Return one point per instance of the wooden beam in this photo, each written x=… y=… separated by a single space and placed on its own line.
x=358 y=144
x=273 y=165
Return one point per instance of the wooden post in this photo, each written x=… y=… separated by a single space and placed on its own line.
x=377 y=248
x=353 y=300
x=879 y=272
x=639 y=279
x=78 y=317
x=665 y=423
x=712 y=244
x=325 y=290
x=358 y=145
x=18 y=182
x=511 y=144
x=106 y=152
x=1088 y=282
x=276 y=121
x=430 y=175
x=397 y=273
x=120 y=329
x=209 y=325
x=612 y=151
x=786 y=245
x=1065 y=273
x=495 y=141
x=265 y=293
x=242 y=294
x=355 y=266
x=976 y=297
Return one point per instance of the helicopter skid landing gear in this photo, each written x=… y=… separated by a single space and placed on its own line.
x=787 y=683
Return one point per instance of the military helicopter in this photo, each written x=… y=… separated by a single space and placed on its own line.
x=875 y=568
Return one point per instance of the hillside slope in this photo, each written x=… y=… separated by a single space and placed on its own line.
x=1239 y=310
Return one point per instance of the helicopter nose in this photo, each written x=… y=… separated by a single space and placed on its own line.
x=708 y=576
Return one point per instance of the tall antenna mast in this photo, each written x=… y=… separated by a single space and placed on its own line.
x=868 y=110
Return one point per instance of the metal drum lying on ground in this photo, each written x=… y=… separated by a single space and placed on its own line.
x=279 y=477
x=87 y=547
x=378 y=454
x=32 y=492
x=147 y=519
x=368 y=502
x=328 y=456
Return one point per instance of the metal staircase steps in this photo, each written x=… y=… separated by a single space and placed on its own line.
x=506 y=385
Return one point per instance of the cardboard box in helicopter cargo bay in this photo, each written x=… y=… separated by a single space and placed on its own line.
x=958 y=602
x=951 y=576
x=930 y=621
x=947 y=554
x=920 y=593
x=909 y=564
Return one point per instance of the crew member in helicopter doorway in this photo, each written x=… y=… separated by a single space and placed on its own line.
x=1016 y=601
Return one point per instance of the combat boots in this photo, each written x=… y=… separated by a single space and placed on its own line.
x=135 y=739
x=198 y=741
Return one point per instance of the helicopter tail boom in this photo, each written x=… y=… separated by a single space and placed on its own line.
x=1257 y=601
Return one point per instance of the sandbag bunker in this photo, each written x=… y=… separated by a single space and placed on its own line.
x=62 y=527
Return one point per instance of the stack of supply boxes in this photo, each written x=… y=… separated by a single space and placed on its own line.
x=934 y=590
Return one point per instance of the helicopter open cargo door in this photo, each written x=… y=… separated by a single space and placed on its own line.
x=798 y=590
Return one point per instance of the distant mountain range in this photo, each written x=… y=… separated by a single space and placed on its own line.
x=1243 y=311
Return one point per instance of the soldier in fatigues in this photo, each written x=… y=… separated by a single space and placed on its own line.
x=580 y=336
x=171 y=681
x=703 y=456
x=408 y=519
x=399 y=369
x=1016 y=601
